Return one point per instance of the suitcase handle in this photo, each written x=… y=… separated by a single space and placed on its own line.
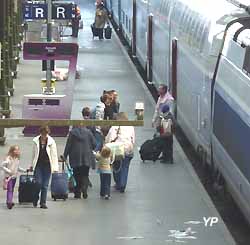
x=63 y=160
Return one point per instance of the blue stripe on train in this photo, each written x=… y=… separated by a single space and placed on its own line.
x=233 y=134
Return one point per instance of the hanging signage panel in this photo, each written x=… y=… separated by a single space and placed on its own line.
x=40 y=11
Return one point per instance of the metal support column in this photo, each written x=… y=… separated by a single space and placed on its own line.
x=150 y=49
x=49 y=39
x=134 y=29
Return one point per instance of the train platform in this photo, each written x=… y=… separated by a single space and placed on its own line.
x=163 y=203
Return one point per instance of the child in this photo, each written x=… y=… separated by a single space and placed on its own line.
x=104 y=168
x=166 y=134
x=11 y=168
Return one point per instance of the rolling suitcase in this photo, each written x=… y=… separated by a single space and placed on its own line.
x=151 y=149
x=59 y=185
x=27 y=188
x=108 y=32
x=95 y=31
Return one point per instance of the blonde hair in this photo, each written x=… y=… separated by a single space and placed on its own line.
x=12 y=149
x=105 y=152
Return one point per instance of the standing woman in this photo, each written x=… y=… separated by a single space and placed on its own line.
x=126 y=135
x=45 y=161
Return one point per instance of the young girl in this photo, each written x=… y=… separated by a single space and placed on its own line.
x=104 y=168
x=11 y=168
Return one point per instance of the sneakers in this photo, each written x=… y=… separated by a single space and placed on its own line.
x=10 y=205
x=35 y=204
x=43 y=206
x=106 y=197
x=77 y=196
x=84 y=195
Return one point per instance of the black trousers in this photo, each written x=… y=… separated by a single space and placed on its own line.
x=167 y=147
x=100 y=32
x=75 y=27
x=81 y=175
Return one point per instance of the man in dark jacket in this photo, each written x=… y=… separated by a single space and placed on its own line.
x=79 y=147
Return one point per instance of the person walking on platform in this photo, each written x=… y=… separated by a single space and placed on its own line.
x=45 y=161
x=166 y=134
x=126 y=135
x=11 y=168
x=99 y=114
x=79 y=147
x=75 y=22
x=115 y=103
x=101 y=18
x=104 y=168
x=109 y=110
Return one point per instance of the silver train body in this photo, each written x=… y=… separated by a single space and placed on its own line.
x=212 y=75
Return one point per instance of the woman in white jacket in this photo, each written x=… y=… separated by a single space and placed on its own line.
x=45 y=161
x=126 y=135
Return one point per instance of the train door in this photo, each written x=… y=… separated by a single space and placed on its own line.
x=231 y=114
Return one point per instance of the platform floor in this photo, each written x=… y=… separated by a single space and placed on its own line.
x=159 y=197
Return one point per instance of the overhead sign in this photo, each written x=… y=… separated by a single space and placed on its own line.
x=40 y=11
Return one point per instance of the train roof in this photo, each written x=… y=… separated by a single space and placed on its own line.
x=218 y=11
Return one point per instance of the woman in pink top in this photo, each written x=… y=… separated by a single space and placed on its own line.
x=126 y=135
x=164 y=98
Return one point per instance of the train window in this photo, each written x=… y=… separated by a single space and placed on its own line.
x=123 y=17
x=52 y=102
x=35 y=101
x=246 y=64
x=183 y=19
x=126 y=22
x=130 y=26
x=203 y=36
x=196 y=32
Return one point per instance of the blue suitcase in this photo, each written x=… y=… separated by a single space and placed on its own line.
x=59 y=185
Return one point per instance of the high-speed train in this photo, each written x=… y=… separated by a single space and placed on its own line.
x=201 y=49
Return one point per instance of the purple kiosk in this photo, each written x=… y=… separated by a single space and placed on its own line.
x=50 y=106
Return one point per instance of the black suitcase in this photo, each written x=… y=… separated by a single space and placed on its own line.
x=28 y=188
x=59 y=185
x=108 y=32
x=95 y=31
x=151 y=149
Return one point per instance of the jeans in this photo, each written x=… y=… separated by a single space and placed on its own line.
x=121 y=177
x=99 y=141
x=105 y=184
x=10 y=190
x=81 y=175
x=42 y=175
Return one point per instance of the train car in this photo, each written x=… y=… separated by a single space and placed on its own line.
x=202 y=51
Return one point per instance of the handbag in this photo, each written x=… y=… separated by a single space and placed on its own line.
x=5 y=182
x=117 y=148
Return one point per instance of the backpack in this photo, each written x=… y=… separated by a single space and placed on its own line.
x=166 y=127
